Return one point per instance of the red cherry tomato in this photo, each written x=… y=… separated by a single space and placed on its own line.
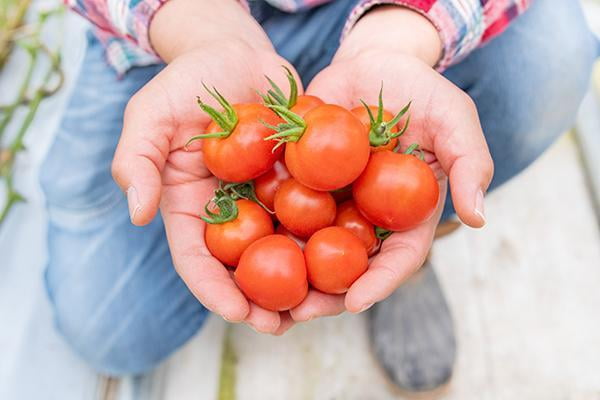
x=350 y=218
x=363 y=115
x=335 y=258
x=268 y=183
x=305 y=103
x=301 y=210
x=244 y=154
x=227 y=241
x=332 y=152
x=272 y=273
x=396 y=192
x=282 y=230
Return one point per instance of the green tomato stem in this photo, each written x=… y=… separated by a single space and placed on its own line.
x=382 y=234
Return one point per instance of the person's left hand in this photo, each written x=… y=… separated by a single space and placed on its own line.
x=444 y=122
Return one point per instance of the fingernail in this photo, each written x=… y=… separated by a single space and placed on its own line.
x=133 y=203
x=366 y=307
x=479 y=210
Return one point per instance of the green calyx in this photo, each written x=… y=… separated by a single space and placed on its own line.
x=276 y=97
x=382 y=233
x=226 y=119
x=290 y=131
x=380 y=132
x=225 y=204
x=225 y=199
x=414 y=150
x=245 y=190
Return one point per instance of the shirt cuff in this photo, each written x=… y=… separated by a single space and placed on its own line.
x=459 y=36
x=137 y=24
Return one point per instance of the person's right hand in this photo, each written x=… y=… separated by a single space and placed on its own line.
x=219 y=44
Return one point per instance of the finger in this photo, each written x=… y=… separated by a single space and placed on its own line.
x=463 y=153
x=140 y=158
x=206 y=277
x=261 y=320
x=318 y=304
x=286 y=323
x=401 y=255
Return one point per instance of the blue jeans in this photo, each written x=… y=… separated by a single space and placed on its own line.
x=116 y=297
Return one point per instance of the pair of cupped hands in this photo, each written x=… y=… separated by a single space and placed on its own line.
x=218 y=43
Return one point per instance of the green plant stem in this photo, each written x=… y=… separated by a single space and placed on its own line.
x=9 y=30
x=9 y=111
x=9 y=154
x=227 y=376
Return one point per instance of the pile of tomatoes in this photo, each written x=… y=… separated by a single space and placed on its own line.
x=307 y=192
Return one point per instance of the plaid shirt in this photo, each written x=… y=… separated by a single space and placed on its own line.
x=122 y=25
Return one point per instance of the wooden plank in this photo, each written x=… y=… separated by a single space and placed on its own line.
x=322 y=359
x=534 y=275
x=588 y=134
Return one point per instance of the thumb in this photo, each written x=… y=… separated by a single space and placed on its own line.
x=140 y=158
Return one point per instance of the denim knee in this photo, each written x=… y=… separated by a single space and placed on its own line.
x=531 y=117
x=528 y=84
x=129 y=328
x=116 y=297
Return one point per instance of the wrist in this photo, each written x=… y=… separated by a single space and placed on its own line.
x=181 y=26
x=394 y=29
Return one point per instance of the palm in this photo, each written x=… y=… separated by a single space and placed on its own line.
x=164 y=115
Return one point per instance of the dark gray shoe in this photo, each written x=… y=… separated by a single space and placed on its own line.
x=412 y=334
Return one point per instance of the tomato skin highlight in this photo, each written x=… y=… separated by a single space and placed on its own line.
x=266 y=185
x=332 y=152
x=305 y=103
x=335 y=258
x=302 y=210
x=363 y=116
x=272 y=273
x=228 y=241
x=396 y=192
x=244 y=154
x=349 y=217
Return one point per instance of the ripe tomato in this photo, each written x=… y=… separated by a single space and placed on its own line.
x=301 y=210
x=335 y=258
x=305 y=103
x=268 y=183
x=227 y=241
x=243 y=154
x=282 y=230
x=363 y=115
x=350 y=218
x=331 y=152
x=272 y=273
x=396 y=191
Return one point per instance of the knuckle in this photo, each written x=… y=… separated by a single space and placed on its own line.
x=117 y=168
x=469 y=103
